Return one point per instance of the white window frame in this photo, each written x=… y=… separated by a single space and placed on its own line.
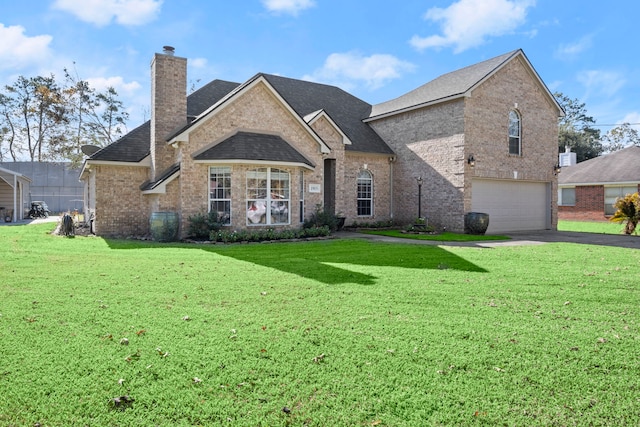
x=515 y=131
x=220 y=194
x=620 y=191
x=365 y=178
x=562 y=201
x=268 y=204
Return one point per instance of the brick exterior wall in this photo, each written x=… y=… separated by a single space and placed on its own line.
x=259 y=110
x=168 y=107
x=434 y=143
x=428 y=142
x=121 y=210
x=486 y=125
x=589 y=205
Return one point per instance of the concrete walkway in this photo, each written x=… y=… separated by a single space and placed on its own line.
x=517 y=239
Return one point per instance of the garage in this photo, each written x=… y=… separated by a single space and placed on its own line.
x=14 y=190
x=512 y=205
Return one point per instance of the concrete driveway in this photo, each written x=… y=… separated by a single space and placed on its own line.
x=519 y=239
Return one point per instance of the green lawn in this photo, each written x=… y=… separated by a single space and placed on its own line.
x=440 y=237
x=601 y=227
x=324 y=333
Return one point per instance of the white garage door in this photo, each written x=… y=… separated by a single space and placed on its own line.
x=512 y=205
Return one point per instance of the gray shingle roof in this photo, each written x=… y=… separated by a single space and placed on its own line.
x=166 y=174
x=621 y=166
x=446 y=86
x=347 y=111
x=135 y=145
x=254 y=146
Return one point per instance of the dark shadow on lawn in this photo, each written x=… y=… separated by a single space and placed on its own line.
x=317 y=260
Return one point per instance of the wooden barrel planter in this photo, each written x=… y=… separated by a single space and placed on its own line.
x=164 y=226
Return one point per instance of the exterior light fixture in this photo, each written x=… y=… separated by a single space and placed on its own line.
x=557 y=169
x=419 y=179
x=471 y=160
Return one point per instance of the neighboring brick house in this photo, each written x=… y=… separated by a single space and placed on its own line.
x=269 y=151
x=588 y=190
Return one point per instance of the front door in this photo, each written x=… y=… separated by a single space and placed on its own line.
x=330 y=185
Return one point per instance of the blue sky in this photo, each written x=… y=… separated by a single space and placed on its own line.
x=375 y=49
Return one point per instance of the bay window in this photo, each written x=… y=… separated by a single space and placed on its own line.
x=268 y=196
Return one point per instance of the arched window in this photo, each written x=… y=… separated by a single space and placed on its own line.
x=515 y=133
x=365 y=193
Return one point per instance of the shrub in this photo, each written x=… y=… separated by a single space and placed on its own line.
x=202 y=225
x=267 y=234
x=627 y=211
x=320 y=218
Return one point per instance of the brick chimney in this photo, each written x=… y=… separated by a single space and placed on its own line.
x=168 y=106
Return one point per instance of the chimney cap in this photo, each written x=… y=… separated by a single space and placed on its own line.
x=168 y=50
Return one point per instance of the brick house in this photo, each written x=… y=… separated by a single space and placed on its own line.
x=587 y=190
x=268 y=151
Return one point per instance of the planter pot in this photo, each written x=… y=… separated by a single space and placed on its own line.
x=476 y=222
x=164 y=226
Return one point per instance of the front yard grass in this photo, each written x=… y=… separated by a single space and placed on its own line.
x=601 y=227
x=325 y=333
x=439 y=237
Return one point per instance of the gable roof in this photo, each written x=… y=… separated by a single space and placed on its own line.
x=135 y=145
x=453 y=85
x=254 y=146
x=305 y=98
x=616 y=168
x=344 y=109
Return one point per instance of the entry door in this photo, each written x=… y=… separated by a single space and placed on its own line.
x=330 y=185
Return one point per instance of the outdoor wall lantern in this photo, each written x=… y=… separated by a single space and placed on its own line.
x=557 y=169
x=419 y=179
x=471 y=160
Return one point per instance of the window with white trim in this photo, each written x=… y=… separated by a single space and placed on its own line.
x=365 y=193
x=612 y=193
x=301 y=196
x=220 y=193
x=567 y=196
x=268 y=196
x=515 y=133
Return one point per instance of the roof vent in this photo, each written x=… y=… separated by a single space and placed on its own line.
x=168 y=50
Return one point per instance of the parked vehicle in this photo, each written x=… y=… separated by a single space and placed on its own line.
x=38 y=210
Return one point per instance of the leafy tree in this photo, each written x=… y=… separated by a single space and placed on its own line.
x=575 y=129
x=627 y=211
x=43 y=120
x=620 y=137
x=99 y=118
x=42 y=114
x=7 y=129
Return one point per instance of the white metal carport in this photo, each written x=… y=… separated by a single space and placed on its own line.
x=14 y=191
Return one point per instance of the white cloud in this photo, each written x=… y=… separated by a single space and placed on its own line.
x=601 y=82
x=102 y=12
x=571 y=50
x=18 y=50
x=198 y=62
x=291 y=7
x=100 y=84
x=633 y=117
x=344 y=69
x=467 y=23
